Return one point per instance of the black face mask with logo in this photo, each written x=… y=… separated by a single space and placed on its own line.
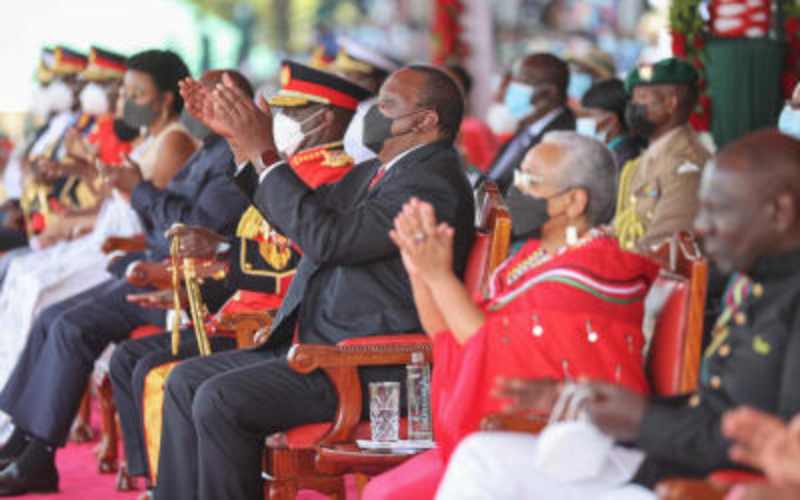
x=636 y=118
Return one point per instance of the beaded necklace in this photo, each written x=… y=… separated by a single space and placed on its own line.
x=540 y=256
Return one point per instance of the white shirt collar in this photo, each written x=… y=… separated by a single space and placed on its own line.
x=401 y=156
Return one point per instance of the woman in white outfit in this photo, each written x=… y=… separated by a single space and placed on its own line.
x=34 y=281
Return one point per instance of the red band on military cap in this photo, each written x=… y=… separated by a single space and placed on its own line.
x=109 y=64
x=73 y=59
x=335 y=97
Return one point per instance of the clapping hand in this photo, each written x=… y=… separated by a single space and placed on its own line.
x=425 y=245
x=246 y=125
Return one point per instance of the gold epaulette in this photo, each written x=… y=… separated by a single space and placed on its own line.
x=328 y=155
x=251 y=224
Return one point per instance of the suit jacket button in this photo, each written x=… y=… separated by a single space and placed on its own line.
x=725 y=350
x=740 y=318
x=716 y=382
x=758 y=290
x=694 y=401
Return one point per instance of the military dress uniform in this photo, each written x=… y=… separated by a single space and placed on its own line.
x=753 y=359
x=658 y=192
x=261 y=265
x=39 y=201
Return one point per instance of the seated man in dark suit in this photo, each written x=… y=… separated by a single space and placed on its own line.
x=537 y=97
x=261 y=261
x=45 y=388
x=349 y=283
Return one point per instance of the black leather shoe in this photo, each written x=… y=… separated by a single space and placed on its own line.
x=5 y=461
x=14 y=482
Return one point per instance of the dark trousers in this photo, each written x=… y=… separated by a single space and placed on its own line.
x=12 y=238
x=217 y=412
x=131 y=362
x=46 y=386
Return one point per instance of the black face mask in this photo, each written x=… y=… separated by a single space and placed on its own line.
x=636 y=118
x=377 y=128
x=137 y=115
x=123 y=131
x=194 y=126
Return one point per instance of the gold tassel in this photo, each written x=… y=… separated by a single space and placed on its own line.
x=176 y=296
x=627 y=226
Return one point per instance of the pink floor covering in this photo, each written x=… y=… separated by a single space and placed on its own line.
x=80 y=480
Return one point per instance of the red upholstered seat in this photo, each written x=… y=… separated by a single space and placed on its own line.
x=145 y=330
x=665 y=365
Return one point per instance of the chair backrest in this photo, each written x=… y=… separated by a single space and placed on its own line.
x=674 y=313
x=492 y=238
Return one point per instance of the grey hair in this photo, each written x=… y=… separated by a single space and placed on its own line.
x=588 y=164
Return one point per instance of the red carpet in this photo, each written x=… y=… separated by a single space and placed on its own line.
x=80 y=480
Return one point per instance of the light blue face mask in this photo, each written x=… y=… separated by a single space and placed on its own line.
x=519 y=100
x=789 y=122
x=579 y=83
x=588 y=126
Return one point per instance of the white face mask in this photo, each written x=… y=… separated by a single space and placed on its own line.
x=60 y=97
x=94 y=100
x=588 y=126
x=40 y=106
x=353 y=138
x=288 y=132
x=500 y=119
x=789 y=122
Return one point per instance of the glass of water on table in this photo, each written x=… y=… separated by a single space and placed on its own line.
x=384 y=411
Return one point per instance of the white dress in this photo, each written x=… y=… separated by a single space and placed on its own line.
x=41 y=278
x=500 y=466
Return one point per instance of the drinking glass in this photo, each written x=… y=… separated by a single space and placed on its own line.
x=384 y=410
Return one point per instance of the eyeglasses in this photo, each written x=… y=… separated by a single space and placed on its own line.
x=525 y=180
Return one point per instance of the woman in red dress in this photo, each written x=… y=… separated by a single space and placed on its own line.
x=568 y=305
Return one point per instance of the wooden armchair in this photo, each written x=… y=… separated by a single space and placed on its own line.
x=302 y=457
x=136 y=243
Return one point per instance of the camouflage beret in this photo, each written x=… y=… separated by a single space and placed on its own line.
x=666 y=71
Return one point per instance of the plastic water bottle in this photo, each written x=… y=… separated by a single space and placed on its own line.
x=418 y=376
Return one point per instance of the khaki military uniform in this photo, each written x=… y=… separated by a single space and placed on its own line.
x=658 y=191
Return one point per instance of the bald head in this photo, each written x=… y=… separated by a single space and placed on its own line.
x=749 y=200
x=767 y=157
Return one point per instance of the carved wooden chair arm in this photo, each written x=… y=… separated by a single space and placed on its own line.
x=244 y=323
x=690 y=489
x=341 y=362
x=136 y=243
x=529 y=423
